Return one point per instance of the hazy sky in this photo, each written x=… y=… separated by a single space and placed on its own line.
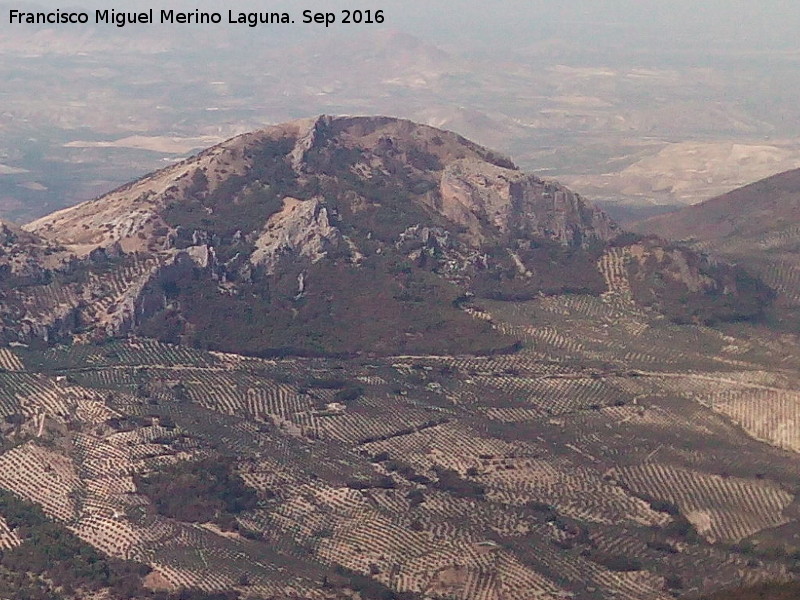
x=691 y=25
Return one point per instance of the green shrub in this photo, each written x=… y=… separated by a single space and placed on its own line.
x=198 y=491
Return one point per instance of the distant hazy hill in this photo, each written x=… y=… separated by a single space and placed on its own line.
x=757 y=226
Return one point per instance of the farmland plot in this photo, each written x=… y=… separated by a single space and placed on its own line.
x=473 y=477
x=728 y=509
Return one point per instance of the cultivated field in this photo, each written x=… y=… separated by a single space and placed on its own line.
x=615 y=455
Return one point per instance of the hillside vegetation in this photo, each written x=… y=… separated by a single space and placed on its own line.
x=756 y=227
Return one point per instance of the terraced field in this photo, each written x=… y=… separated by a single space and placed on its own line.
x=615 y=455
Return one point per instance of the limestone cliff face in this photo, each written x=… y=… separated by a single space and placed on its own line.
x=301 y=229
x=474 y=194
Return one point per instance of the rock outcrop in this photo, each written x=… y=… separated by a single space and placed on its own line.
x=301 y=229
x=474 y=194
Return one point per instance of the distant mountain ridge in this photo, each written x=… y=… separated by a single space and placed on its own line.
x=757 y=209
x=756 y=226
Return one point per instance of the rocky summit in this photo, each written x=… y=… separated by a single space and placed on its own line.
x=334 y=236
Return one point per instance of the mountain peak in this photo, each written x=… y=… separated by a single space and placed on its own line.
x=340 y=234
x=452 y=176
x=757 y=227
